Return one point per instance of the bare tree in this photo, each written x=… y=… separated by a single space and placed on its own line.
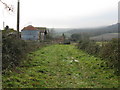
x=9 y=8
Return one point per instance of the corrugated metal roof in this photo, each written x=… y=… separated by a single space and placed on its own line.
x=41 y=29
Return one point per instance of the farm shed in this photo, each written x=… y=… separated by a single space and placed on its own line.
x=43 y=31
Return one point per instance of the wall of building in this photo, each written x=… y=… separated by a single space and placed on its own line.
x=30 y=34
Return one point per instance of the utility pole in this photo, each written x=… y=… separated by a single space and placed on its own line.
x=18 y=17
x=3 y=25
x=102 y=40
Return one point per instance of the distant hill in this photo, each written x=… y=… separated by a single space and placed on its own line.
x=90 y=31
x=60 y=30
x=107 y=36
x=96 y=31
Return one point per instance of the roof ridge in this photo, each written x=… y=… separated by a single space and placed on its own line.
x=29 y=27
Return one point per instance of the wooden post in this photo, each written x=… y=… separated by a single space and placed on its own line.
x=102 y=40
x=18 y=18
x=3 y=25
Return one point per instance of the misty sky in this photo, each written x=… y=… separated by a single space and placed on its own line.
x=61 y=13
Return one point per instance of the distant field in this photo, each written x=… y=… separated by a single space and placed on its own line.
x=108 y=36
x=100 y=43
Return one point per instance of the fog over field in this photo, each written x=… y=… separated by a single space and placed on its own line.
x=61 y=13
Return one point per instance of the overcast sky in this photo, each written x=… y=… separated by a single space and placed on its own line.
x=61 y=13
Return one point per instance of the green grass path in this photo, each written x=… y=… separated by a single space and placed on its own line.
x=61 y=66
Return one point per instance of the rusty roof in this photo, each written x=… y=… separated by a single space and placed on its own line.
x=30 y=27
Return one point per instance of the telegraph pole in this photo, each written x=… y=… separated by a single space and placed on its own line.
x=3 y=25
x=102 y=40
x=18 y=17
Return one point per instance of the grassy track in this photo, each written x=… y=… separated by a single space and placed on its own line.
x=61 y=66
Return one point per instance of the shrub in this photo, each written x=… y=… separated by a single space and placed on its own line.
x=83 y=44
x=13 y=50
x=93 y=48
x=109 y=51
x=89 y=46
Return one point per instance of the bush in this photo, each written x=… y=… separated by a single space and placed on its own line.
x=109 y=51
x=89 y=46
x=83 y=44
x=93 y=48
x=13 y=50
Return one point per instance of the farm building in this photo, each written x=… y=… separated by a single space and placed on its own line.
x=43 y=32
x=33 y=33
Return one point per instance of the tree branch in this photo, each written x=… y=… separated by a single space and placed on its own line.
x=6 y=6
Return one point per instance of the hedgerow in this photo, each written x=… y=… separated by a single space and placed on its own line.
x=108 y=51
x=14 y=50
